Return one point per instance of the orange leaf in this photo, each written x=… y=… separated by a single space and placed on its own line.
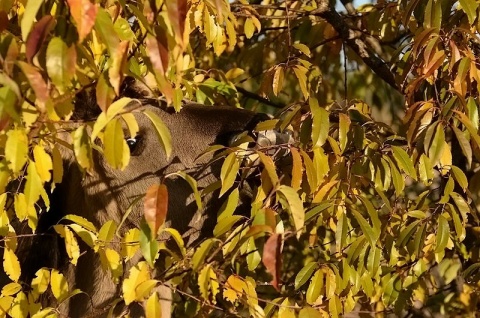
x=157 y=48
x=155 y=206
x=177 y=13
x=272 y=258
x=84 y=13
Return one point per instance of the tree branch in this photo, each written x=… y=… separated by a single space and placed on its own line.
x=261 y=99
x=354 y=41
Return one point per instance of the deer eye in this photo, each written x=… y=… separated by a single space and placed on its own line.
x=134 y=145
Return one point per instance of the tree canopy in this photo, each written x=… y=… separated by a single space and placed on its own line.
x=377 y=209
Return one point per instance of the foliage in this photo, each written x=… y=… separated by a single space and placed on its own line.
x=359 y=214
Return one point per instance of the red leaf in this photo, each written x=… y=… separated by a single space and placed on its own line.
x=37 y=83
x=177 y=12
x=3 y=20
x=155 y=206
x=84 y=13
x=37 y=36
x=157 y=48
x=272 y=258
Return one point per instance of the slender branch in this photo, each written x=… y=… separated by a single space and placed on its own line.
x=259 y=98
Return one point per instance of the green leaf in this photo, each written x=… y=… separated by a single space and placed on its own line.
x=82 y=148
x=315 y=287
x=392 y=289
x=470 y=8
x=163 y=132
x=407 y=233
x=225 y=224
x=148 y=244
x=373 y=261
x=404 y=161
x=201 y=253
x=104 y=27
x=29 y=15
x=60 y=63
x=342 y=229
x=460 y=177
x=443 y=233
x=435 y=149
x=457 y=223
x=371 y=235
x=229 y=172
x=305 y=274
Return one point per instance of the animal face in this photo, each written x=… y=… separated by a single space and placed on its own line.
x=105 y=194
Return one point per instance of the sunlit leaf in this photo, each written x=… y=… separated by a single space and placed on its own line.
x=155 y=206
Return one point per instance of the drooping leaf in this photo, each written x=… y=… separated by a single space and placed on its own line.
x=116 y=148
x=84 y=14
x=305 y=274
x=155 y=206
x=38 y=35
x=163 y=132
x=294 y=205
x=272 y=258
x=60 y=63
x=229 y=172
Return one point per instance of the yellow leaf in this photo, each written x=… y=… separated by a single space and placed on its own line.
x=249 y=28
x=138 y=274
x=87 y=236
x=16 y=149
x=144 y=289
x=59 y=285
x=208 y=283
x=71 y=244
x=82 y=147
x=132 y=124
x=20 y=206
x=278 y=77
x=5 y=304
x=57 y=165
x=11 y=289
x=130 y=243
x=269 y=166
x=294 y=205
x=111 y=261
x=446 y=159
x=233 y=288
x=40 y=282
x=19 y=306
x=116 y=148
x=43 y=163
x=11 y=265
x=300 y=73
x=297 y=169
x=153 y=309
x=234 y=73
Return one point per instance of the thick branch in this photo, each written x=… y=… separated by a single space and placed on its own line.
x=358 y=45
